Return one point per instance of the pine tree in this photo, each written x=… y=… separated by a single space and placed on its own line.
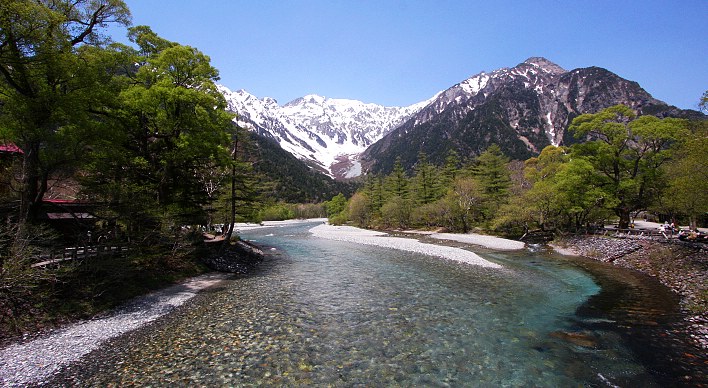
x=424 y=181
x=449 y=172
x=397 y=181
x=494 y=177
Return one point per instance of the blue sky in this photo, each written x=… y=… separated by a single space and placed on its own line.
x=401 y=52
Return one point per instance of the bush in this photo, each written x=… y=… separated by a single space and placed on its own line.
x=310 y=210
x=360 y=210
x=396 y=212
x=338 y=219
x=277 y=212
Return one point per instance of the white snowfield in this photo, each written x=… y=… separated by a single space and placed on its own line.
x=369 y=237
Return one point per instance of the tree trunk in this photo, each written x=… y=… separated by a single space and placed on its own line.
x=624 y=218
x=34 y=185
x=227 y=239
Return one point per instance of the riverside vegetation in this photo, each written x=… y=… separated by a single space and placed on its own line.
x=140 y=136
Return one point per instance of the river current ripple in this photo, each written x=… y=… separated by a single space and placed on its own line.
x=322 y=312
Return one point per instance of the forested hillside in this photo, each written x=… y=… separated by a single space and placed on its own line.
x=286 y=178
x=620 y=165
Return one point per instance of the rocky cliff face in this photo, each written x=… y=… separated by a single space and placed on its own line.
x=523 y=109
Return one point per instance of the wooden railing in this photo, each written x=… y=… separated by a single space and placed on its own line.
x=637 y=232
x=56 y=257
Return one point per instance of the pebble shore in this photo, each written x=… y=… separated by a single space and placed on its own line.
x=34 y=362
x=369 y=237
x=681 y=268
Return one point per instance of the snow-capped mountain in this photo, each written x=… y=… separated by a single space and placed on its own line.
x=535 y=74
x=329 y=133
x=522 y=109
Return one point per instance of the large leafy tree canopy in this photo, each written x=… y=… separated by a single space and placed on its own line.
x=627 y=153
x=687 y=191
x=52 y=82
x=138 y=126
x=170 y=130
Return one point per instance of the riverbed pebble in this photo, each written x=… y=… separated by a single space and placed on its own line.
x=368 y=237
x=35 y=361
x=682 y=267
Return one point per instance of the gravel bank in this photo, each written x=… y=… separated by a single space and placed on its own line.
x=490 y=242
x=35 y=361
x=681 y=267
x=369 y=237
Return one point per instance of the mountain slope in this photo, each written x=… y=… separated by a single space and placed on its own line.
x=522 y=109
x=327 y=133
x=289 y=179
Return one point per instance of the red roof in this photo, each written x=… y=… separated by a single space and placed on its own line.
x=61 y=200
x=10 y=148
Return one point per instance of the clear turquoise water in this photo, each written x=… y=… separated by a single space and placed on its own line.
x=323 y=312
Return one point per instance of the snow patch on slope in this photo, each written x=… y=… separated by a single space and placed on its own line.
x=317 y=128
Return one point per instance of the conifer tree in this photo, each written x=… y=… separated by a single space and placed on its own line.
x=494 y=177
x=424 y=180
x=397 y=181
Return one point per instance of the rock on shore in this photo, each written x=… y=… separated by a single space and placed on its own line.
x=240 y=257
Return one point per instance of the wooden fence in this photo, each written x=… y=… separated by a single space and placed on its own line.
x=653 y=234
x=56 y=257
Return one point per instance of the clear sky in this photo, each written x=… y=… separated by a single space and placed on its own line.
x=400 y=52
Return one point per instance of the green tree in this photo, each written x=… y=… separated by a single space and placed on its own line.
x=375 y=191
x=541 y=203
x=467 y=200
x=627 y=152
x=450 y=169
x=360 y=209
x=336 y=205
x=243 y=194
x=397 y=181
x=424 y=180
x=52 y=84
x=494 y=178
x=396 y=212
x=174 y=124
x=687 y=191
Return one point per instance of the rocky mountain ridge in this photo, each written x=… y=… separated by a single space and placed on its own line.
x=523 y=109
x=328 y=134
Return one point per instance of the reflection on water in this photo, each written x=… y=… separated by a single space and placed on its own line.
x=331 y=313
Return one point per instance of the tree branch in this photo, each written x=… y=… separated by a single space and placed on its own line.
x=89 y=29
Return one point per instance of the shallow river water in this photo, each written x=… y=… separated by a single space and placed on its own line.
x=321 y=312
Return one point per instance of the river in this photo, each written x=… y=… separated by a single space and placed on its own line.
x=322 y=312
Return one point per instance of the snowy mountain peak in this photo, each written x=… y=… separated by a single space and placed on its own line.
x=474 y=84
x=545 y=65
x=308 y=99
x=330 y=133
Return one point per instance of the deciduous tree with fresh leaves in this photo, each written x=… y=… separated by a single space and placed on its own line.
x=626 y=153
x=53 y=84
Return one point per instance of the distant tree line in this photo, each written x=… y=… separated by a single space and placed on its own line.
x=621 y=165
